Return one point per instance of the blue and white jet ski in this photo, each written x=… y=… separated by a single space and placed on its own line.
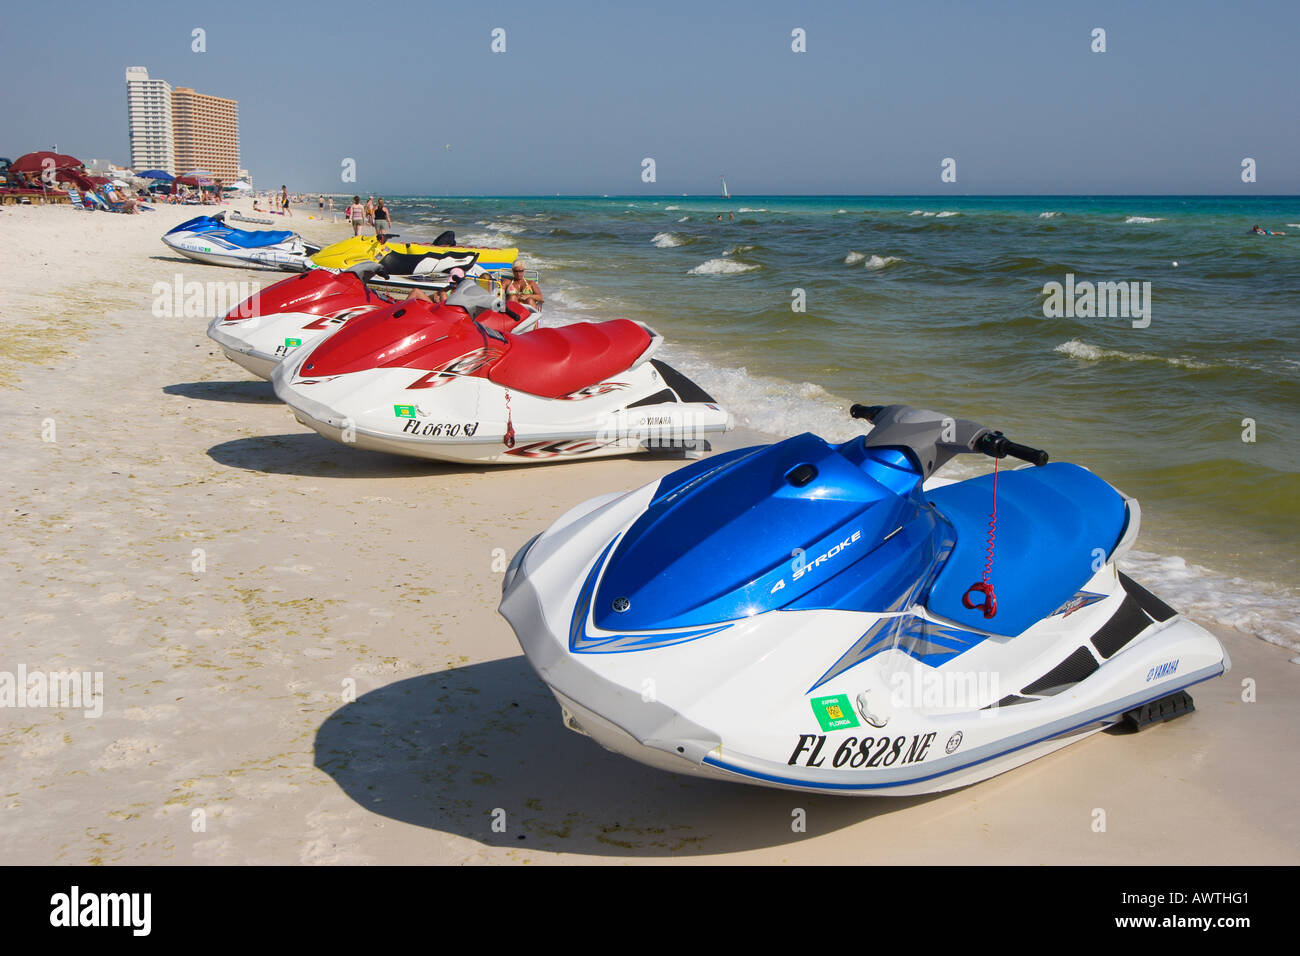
x=826 y=618
x=209 y=239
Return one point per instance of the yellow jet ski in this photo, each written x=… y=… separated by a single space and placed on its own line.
x=408 y=258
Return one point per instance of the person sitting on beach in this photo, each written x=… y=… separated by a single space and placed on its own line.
x=128 y=205
x=520 y=289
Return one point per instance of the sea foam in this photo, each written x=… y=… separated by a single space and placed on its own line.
x=715 y=267
x=1095 y=353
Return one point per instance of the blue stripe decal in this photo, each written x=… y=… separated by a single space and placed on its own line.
x=909 y=781
x=927 y=641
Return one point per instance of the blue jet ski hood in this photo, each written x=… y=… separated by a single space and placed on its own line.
x=773 y=527
x=248 y=239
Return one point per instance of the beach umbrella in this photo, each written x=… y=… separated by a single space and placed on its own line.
x=76 y=178
x=119 y=184
x=241 y=185
x=37 y=162
x=157 y=174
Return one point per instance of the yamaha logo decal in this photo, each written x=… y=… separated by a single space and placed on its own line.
x=621 y=604
x=953 y=742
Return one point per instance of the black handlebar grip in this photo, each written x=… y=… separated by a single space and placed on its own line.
x=998 y=445
x=869 y=412
x=1035 y=456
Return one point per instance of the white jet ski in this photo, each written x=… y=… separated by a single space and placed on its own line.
x=300 y=311
x=813 y=617
x=208 y=239
x=452 y=383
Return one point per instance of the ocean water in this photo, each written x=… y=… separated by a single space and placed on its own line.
x=939 y=302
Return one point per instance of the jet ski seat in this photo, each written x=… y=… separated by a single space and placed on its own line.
x=257 y=240
x=553 y=363
x=1050 y=520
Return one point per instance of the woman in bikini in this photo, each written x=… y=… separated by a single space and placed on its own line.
x=521 y=290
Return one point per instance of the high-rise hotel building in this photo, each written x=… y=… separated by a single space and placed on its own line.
x=149 y=109
x=206 y=133
x=179 y=130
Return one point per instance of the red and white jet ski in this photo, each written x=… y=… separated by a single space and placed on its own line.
x=302 y=310
x=449 y=383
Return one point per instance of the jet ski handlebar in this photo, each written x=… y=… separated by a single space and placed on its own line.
x=984 y=440
x=998 y=445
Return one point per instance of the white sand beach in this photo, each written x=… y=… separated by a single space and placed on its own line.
x=302 y=660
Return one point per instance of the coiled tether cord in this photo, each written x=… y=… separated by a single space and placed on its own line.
x=509 y=438
x=990 y=603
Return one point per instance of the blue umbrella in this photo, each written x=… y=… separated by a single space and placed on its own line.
x=157 y=174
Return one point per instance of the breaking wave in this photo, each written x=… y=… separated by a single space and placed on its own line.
x=1095 y=353
x=717 y=267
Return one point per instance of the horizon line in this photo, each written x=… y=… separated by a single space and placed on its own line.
x=734 y=196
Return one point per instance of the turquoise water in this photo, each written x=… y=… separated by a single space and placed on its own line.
x=939 y=302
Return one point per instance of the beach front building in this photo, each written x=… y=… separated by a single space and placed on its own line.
x=149 y=111
x=206 y=133
x=104 y=167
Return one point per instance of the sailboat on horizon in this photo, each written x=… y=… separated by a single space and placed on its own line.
x=725 y=193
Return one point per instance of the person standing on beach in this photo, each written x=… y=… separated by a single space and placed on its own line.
x=370 y=210
x=284 y=200
x=356 y=214
x=331 y=204
x=382 y=222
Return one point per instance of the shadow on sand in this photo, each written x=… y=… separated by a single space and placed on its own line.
x=446 y=750
x=248 y=392
x=311 y=455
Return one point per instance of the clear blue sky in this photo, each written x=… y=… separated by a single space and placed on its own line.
x=584 y=92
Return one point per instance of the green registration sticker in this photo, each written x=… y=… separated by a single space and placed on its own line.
x=293 y=343
x=404 y=411
x=834 y=713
